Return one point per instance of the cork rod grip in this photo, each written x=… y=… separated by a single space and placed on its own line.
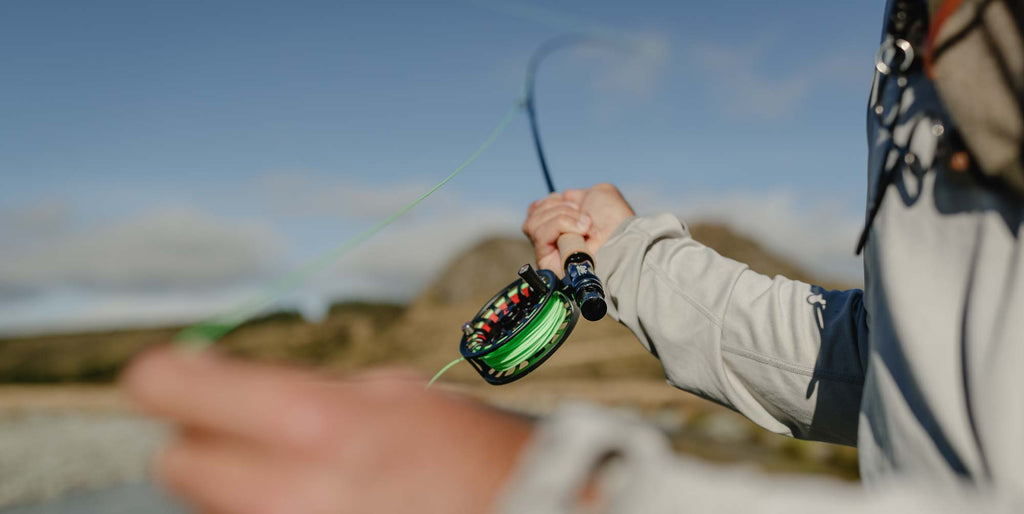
x=572 y=244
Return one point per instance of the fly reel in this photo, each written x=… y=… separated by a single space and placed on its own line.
x=520 y=327
x=523 y=325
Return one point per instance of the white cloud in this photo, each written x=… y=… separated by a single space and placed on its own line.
x=156 y=251
x=400 y=261
x=402 y=258
x=743 y=87
x=563 y=22
x=808 y=229
x=307 y=194
x=636 y=69
x=627 y=76
x=176 y=266
x=35 y=220
x=60 y=310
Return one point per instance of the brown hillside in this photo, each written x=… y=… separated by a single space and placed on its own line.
x=355 y=334
x=479 y=272
x=602 y=362
x=733 y=245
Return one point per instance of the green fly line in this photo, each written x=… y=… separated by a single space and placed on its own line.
x=206 y=332
x=530 y=341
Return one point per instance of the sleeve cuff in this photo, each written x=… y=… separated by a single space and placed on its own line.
x=577 y=445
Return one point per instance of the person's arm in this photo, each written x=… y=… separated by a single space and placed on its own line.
x=786 y=354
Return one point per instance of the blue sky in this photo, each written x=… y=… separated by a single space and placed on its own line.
x=160 y=161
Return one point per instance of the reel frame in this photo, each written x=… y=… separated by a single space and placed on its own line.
x=507 y=314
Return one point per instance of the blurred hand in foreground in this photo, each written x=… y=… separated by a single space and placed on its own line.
x=593 y=213
x=258 y=439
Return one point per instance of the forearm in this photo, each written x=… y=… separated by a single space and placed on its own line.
x=782 y=352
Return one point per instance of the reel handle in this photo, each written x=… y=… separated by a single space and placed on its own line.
x=571 y=244
x=587 y=289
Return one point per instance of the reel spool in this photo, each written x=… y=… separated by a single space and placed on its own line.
x=520 y=327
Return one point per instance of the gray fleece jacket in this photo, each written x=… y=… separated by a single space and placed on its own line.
x=921 y=370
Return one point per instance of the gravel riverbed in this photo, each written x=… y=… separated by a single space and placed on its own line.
x=48 y=455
